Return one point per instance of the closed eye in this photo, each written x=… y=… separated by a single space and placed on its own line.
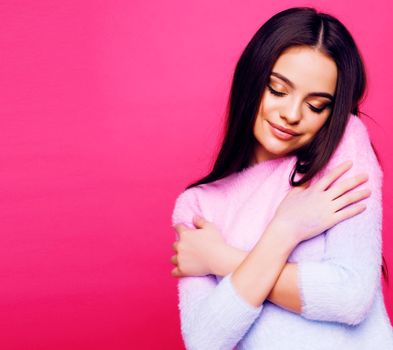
x=318 y=110
x=274 y=92
x=312 y=108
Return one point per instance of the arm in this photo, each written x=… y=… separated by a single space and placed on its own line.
x=263 y=264
x=249 y=285
x=305 y=212
x=212 y=315
x=236 y=301
x=285 y=292
x=340 y=287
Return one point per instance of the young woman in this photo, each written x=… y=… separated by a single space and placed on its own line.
x=276 y=249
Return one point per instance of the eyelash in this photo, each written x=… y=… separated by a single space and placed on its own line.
x=280 y=94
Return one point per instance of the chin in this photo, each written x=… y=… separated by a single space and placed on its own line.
x=276 y=149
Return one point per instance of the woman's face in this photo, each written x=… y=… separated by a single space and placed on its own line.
x=298 y=97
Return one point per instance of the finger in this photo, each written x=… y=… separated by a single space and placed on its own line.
x=350 y=197
x=174 y=259
x=199 y=221
x=176 y=272
x=344 y=186
x=174 y=245
x=349 y=212
x=180 y=228
x=324 y=182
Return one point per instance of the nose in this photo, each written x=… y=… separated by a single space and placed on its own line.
x=292 y=112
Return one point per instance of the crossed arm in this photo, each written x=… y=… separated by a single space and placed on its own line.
x=285 y=292
x=338 y=288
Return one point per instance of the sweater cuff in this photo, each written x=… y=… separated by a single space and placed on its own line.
x=318 y=289
x=230 y=307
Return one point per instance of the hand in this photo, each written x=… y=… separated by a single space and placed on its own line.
x=197 y=249
x=309 y=210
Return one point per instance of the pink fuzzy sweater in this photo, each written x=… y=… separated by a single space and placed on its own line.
x=339 y=271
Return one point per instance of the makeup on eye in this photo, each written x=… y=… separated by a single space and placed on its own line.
x=279 y=76
x=313 y=108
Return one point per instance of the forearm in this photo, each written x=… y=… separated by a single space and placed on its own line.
x=210 y=311
x=285 y=292
x=257 y=274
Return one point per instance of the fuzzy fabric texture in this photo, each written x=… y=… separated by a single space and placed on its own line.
x=339 y=271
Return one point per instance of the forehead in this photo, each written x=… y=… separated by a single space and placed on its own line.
x=308 y=69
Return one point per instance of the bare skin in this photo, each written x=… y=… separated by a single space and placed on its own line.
x=304 y=79
x=263 y=272
x=309 y=72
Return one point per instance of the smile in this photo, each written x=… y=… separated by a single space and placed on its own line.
x=280 y=133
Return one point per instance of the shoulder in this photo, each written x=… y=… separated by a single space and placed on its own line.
x=204 y=200
x=356 y=145
x=185 y=206
x=356 y=139
x=210 y=200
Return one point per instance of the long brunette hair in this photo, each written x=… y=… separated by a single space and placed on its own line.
x=297 y=26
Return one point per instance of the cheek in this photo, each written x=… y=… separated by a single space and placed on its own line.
x=312 y=131
x=267 y=104
x=258 y=127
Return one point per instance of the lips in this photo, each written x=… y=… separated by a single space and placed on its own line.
x=288 y=131
x=277 y=131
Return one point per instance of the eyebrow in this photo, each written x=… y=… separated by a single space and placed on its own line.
x=291 y=84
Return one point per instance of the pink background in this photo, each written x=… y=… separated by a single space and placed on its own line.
x=108 y=110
